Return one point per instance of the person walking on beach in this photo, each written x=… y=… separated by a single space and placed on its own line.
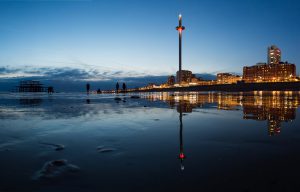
x=88 y=88
x=50 y=90
x=117 y=87
x=124 y=87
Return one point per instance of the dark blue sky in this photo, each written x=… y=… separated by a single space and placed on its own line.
x=107 y=38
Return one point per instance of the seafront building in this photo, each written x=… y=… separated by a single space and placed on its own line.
x=185 y=75
x=273 y=71
x=274 y=55
x=227 y=78
x=263 y=72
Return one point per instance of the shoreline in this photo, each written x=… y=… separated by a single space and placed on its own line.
x=239 y=87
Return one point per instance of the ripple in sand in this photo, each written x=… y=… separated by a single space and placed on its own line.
x=135 y=97
x=103 y=149
x=57 y=147
x=118 y=99
x=54 y=169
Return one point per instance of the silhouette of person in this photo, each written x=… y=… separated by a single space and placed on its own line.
x=50 y=90
x=88 y=88
x=117 y=87
x=124 y=87
x=99 y=91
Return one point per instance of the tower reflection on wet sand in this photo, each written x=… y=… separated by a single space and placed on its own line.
x=183 y=107
x=181 y=154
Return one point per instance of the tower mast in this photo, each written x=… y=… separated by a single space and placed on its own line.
x=180 y=29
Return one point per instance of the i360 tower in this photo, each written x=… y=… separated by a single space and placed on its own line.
x=180 y=29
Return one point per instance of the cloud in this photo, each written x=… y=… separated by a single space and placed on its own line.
x=74 y=79
x=6 y=70
x=67 y=73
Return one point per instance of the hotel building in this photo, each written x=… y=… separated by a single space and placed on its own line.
x=273 y=71
x=228 y=78
x=184 y=76
x=274 y=55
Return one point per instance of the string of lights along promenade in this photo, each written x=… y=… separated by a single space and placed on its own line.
x=180 y=29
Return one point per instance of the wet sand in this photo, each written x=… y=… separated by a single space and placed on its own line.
x=77 y=142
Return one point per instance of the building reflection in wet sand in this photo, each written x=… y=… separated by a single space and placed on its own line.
x=274 y=107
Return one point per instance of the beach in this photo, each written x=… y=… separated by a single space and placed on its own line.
x=194 y=141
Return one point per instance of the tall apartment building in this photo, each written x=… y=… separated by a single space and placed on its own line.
x=273 y=71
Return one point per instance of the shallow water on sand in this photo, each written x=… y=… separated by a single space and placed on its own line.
x=158 y=142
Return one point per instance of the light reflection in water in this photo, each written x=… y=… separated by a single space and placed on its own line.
x=211 y=150
x=181 y=154
x=180 y=109
x=274 y=107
